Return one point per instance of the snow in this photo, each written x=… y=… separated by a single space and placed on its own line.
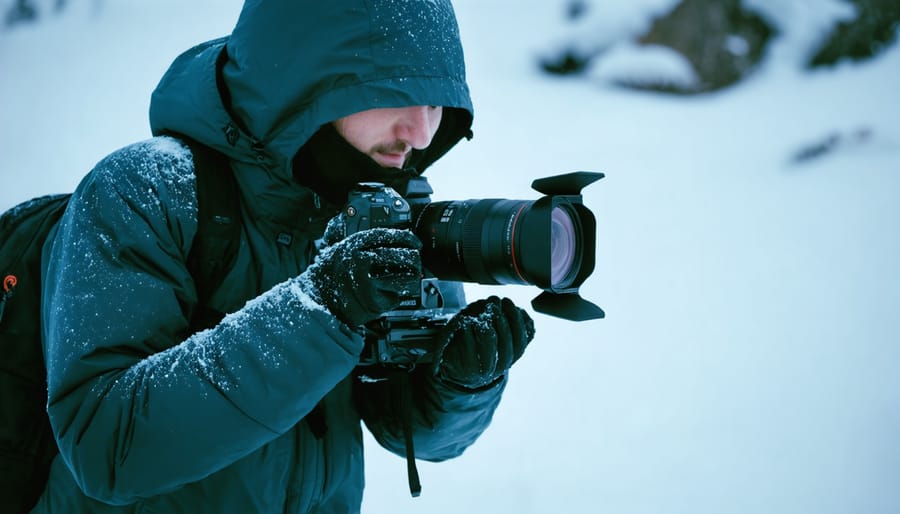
x=801 y=25
x=647 y=64
x=748 y=359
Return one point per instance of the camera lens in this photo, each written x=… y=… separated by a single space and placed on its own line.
x=496 y=241
x=563 y=247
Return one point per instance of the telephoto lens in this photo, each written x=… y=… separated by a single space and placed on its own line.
x=548 y=242
x=495 y=241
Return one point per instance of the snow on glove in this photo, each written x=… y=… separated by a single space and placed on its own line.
x=481 y=342
x=366 y=274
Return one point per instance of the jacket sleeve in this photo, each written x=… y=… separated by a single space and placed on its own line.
x=138 y=406
x=445 y=420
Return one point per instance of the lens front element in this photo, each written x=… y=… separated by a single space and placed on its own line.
x=563 y=247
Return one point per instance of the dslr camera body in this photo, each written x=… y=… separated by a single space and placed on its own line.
x=548 y=243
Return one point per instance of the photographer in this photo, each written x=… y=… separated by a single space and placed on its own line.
x=261 y=412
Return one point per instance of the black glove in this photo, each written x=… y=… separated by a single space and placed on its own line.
x=366 y=274
x=481 y=342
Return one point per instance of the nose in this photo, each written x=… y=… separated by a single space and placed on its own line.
x=417 y=125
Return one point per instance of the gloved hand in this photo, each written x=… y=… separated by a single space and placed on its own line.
x=361 y=277
x=481 y=342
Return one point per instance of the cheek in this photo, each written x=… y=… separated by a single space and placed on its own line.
x=354 y=132
x=436 y=121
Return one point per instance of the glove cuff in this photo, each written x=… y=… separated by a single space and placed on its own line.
x=461 y=388
x=308 y=291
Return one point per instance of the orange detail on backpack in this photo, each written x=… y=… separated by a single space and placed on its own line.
x=9 y=283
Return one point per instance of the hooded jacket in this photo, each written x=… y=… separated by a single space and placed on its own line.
x=152 y=418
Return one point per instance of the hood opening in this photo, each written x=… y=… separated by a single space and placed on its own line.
x=330 y=166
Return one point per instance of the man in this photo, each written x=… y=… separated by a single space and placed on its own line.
x=261 y=413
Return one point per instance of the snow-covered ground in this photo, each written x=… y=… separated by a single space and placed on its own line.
x=748 y=360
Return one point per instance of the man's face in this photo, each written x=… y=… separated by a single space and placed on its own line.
x=388 y=135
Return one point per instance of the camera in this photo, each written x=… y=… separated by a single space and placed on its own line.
x=548 y=243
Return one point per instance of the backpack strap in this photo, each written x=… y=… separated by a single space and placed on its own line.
x=215 y=247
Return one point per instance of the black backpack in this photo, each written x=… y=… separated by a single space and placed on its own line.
x=27 y=446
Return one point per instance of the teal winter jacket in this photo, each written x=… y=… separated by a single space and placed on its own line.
x=151 y=418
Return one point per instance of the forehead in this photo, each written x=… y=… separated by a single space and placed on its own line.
x=386 y=114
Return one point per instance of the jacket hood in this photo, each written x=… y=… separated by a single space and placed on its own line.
x=291 y=66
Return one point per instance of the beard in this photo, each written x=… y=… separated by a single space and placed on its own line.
x=396 y=147
x=331 y=166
